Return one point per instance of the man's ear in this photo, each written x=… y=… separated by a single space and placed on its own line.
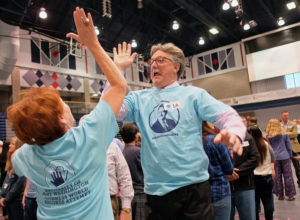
x=177 y=67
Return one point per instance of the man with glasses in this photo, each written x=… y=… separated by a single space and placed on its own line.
x=173 y=159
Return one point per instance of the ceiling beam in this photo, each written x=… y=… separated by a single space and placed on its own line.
x=269 y=13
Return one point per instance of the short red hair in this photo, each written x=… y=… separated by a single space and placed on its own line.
x=35 y=117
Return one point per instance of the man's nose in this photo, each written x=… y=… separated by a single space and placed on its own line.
x=154 y=64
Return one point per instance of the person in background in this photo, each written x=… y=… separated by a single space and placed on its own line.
x=119 y=175
x=119 y=143
x=132 y=154
x=281 y=145
x=1 y=145
x=13 y=185
x=220 y=165
x=68 y=164
x=290 y=128
x=263 y=174
x=242 y=179
x=174 y=162
x=29 y=201
x=298 y=129
x=253 y=121
x=3 y=159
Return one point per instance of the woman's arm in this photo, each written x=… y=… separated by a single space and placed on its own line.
x=87 y=36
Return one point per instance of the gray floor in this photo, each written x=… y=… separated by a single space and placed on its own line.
x=284 y=209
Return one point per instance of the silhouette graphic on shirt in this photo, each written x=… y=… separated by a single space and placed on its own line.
x=163 y=123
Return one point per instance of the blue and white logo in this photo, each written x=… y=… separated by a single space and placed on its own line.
x=164 y=117
x=58 y=172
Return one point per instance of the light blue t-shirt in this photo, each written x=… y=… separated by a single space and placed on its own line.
x=70 y=173
x=170 y=122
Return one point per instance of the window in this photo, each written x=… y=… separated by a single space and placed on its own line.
x=292 y=80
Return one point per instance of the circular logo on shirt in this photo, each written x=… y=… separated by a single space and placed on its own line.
x=164 y=117
x=58 y=172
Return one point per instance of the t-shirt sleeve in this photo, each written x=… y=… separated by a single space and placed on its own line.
x=99 y=127
x=208 y=108
x=18 y=163
x=129 y=104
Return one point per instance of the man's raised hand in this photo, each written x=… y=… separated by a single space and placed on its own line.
x=123 y=57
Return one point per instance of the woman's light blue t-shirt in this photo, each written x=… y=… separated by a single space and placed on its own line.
x=70 y=173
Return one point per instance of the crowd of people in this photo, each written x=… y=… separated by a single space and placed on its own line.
x=185 y=155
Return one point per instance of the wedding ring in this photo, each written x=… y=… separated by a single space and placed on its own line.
x=85 y=21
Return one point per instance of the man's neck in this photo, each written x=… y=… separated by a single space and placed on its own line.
x=172 y=84
x=131 y=143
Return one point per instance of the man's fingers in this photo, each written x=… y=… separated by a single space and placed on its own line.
x=115 y=52
x=124 y=47
x=237 y=147
x=218 y=138
x=119 y=48
x=232 y=140
x=240 y=151
x=128 y=51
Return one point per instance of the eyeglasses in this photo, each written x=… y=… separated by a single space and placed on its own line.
x=160 y=60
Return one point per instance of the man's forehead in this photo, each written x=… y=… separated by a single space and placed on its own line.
x=160 y=53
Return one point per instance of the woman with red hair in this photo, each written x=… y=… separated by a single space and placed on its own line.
x=68 y=164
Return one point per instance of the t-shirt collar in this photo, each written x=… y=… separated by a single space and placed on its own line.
x=169 y=86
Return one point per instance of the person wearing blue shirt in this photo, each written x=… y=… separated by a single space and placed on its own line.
x=173 y=159
x=220 y=165
x=68 y=164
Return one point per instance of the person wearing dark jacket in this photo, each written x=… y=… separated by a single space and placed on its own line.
x=242 y=180
x=13 y=185
x=3 y=158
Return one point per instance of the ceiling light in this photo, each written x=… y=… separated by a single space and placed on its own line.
x=291 y=5
x=175 y=25
x=95 y=95
x=97 y=30
x=280 y=21
x=43 y=13
x=201 y=41
x=226 y=6
x=133 y=44
x=139 y=4
x=246 y=27
x=234 y=3
x=214 y=31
